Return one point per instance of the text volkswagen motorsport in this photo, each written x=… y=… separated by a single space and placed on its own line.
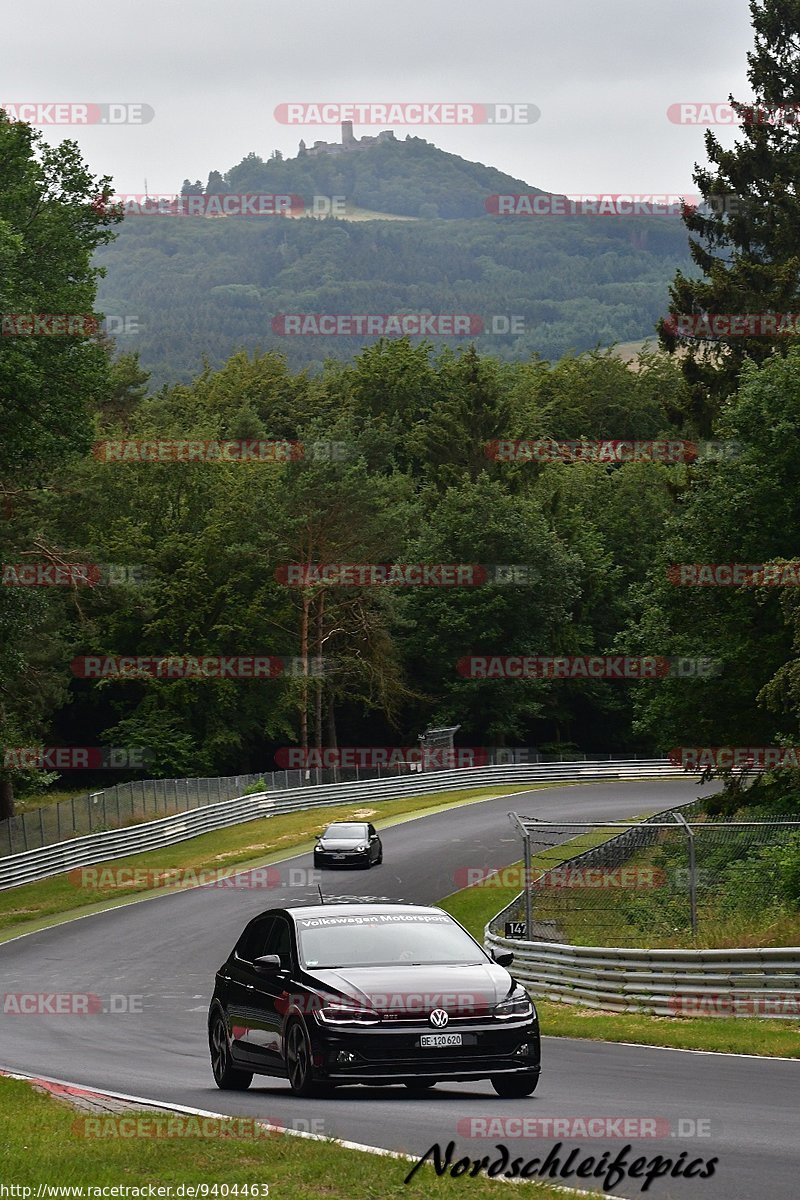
x=369 y=993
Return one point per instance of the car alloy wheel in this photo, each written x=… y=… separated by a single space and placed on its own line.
x=226 y=1076
x=298 y=1061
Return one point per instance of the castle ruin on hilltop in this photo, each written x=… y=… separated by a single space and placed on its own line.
x=348 y=144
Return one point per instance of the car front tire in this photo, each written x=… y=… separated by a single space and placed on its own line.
x=226 y=1076
x=514 y=1087
x=299 y=1069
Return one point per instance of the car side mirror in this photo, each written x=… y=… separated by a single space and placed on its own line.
x=268 y=964
x=503 y=958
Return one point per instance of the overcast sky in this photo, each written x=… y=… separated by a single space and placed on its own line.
x=602 y=74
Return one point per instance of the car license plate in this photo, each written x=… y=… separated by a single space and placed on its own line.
x=337 y=856
x=440 y=1039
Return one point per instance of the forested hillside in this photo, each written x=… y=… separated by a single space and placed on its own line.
x=199 y=288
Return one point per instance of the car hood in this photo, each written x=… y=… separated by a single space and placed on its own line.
x=461 y=990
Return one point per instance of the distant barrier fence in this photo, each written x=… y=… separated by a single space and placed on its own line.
x=763 y=982
x=117 y=806
x=41 y=862
x=141 y=800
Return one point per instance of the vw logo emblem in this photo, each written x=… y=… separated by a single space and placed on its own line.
x=439 y=1018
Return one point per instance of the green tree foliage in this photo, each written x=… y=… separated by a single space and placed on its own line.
x=742 y=509
x=52 y=219
x=745 y=238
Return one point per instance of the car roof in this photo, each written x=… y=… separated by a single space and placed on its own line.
x=317 y=910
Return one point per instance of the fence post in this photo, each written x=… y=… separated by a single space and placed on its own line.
x=528 y=882
x=692 y=870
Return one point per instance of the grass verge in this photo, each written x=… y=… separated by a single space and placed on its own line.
x=256 y=843
x=44 y=1142
x=474 y=907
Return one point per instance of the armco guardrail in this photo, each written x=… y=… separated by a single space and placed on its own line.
x=117 y=843
x=762 y=983
x=754 y=982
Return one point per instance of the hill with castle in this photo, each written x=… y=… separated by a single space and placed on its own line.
x=530 y=285
x=407 y=177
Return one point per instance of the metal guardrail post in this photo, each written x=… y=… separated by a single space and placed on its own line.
x=527 y=873
x=528 y=887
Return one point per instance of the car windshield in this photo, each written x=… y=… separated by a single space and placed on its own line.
x=345 y=831
x=384 y=939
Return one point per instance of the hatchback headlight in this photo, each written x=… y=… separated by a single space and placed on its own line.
x=360 y=849
x=347 y=1014
x=515 y=1008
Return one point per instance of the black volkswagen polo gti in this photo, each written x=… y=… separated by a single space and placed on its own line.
x=369 y=993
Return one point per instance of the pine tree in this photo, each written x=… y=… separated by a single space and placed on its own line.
x=746 y=234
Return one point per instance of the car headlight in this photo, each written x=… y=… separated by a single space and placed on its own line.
x=346 y=1014
x=515 y=1008
x=360 y=849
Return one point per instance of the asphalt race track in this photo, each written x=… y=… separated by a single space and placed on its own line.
x=166 y=951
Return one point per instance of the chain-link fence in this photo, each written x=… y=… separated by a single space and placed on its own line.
x=145 y=800
x=670 y=880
